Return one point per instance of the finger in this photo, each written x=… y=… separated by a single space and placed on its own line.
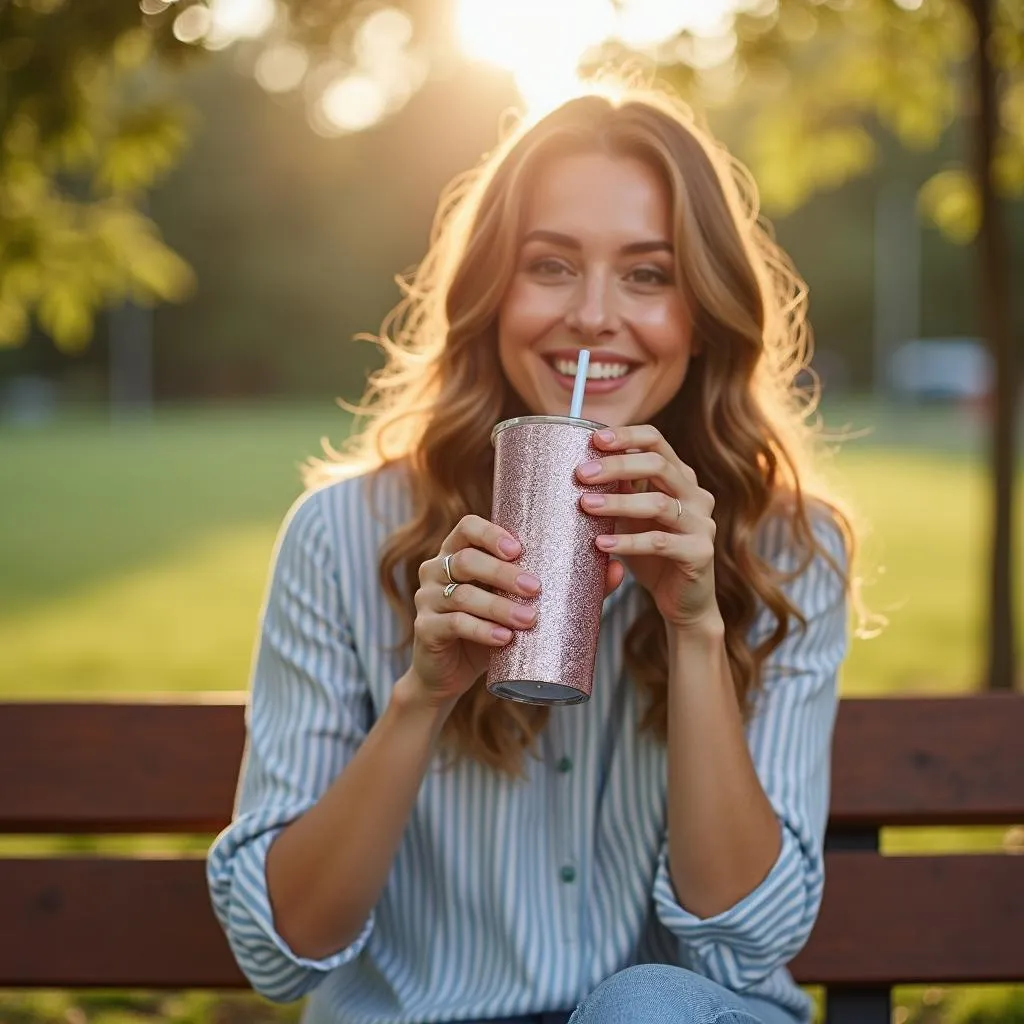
x=643 y=438
x=437 y=630
x=482 y=604
x=472 y=564
x=656 y=505
x=616 y=574
x=477 y=532
x=696 y=549
x=666 y=475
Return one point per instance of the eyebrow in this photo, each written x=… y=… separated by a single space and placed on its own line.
x=568 y=242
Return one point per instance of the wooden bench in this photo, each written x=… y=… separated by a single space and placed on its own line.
x=145 y=922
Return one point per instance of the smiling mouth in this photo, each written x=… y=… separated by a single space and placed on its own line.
x=597 y=371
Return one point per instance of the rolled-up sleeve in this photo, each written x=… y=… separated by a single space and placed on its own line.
x=790 y=739
x=308 y=712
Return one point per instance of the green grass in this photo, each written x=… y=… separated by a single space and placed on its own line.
x=925 y=561
x=133 y=560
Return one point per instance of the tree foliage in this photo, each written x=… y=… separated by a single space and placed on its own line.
x=87 y=125
x=817 y=76
x=89 y=122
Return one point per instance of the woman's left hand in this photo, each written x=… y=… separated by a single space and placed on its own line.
x=665 y=535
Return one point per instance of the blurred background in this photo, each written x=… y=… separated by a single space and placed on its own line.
x=203 y=203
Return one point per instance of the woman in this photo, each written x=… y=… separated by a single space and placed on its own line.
x=409 y=848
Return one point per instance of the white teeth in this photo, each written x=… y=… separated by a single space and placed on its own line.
x=596 y=370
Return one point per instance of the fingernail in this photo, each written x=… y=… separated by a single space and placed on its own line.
x=502 y=634
x=606 y=543
x=607 y=436
x=591 y=468
x=528 y=582
x=524 y=616
x=593 y=500
x=508 y=547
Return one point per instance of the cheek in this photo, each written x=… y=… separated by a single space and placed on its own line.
x=527 y=315
x=528 y=311
x=517 y=327
x=667 y=330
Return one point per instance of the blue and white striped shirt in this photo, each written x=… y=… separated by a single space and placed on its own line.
x=509 y=897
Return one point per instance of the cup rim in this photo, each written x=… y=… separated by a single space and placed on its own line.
x=519 y=421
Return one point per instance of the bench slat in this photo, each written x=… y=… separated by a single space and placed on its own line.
x=151 y=767
x=147 y=767
x=92 y=923
x=929 y=761
x=931 y=919
x=887 y=920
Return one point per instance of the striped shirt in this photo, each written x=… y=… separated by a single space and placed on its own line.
x=509 y=897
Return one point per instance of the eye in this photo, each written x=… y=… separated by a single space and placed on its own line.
x=649 y=276
x=549 y=267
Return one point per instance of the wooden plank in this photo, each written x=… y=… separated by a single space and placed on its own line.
x=117 y=767
x=886 y=920
x=173 y=767
x=91 y=923
x=148 y=923
x=929 y=761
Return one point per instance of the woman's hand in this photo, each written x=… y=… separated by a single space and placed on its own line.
x=665 y=534
x=453 y=636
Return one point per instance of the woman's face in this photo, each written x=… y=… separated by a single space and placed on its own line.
x=596 y=269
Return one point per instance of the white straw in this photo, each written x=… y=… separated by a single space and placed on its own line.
x=576 y=406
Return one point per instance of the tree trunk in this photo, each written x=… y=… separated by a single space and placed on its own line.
x=994 y=293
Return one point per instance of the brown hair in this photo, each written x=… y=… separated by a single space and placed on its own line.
x=738 y=420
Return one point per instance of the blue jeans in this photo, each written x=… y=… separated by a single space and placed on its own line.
x=662 y=994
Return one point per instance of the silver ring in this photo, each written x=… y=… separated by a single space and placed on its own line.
x=679 y=505
x=450 y=588
x=448 y=569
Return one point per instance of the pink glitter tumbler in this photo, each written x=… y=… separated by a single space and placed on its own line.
x=536 y=498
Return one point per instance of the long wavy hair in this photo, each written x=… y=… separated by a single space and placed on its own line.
x=738 y=420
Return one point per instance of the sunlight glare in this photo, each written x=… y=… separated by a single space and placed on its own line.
x=542 y=42
x=238 y=19
x=382 y=51
x=641 y=23
x=384 y=34
x=539 y=41
x=353 y=103
x=281 y=67
x=192 y=24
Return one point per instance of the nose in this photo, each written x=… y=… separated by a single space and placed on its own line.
x=592 y=311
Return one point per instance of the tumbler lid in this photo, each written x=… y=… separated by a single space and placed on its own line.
x=520 y=421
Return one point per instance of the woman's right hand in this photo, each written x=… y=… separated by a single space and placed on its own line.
x=454 y=636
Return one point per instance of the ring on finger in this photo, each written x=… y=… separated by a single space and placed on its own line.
x=450 y=589
x=448 y=570
x=680 y=507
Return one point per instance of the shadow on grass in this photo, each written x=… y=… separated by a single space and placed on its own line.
x=87 y=500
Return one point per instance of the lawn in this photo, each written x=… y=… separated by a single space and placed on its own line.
x=133 y=559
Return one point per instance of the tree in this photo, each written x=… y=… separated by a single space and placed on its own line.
x=86 y=127
x=994 y=286
x=814 y=73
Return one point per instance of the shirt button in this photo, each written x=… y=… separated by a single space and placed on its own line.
x=565 y=765
x=568 y=873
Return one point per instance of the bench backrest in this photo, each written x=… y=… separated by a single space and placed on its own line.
x=171 y=768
